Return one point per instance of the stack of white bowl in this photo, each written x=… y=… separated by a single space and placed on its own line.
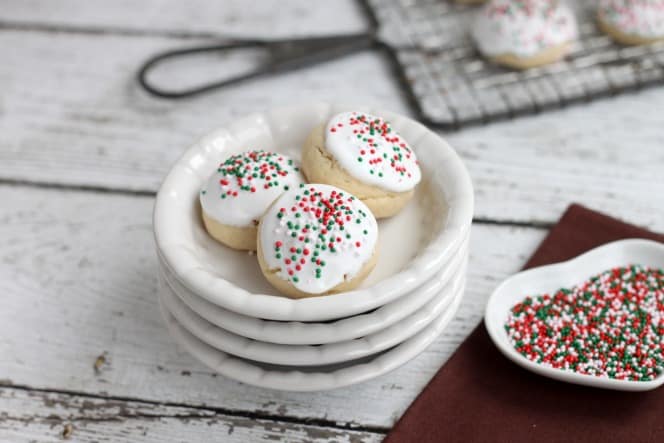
x=219 y=307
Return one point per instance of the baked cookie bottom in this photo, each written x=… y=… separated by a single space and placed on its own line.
x=241 y=238
x=542 y=58
x=624 y=38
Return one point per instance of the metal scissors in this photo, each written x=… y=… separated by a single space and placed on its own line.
x=282 y=56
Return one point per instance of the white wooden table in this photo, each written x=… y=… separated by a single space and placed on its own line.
x=83 y=352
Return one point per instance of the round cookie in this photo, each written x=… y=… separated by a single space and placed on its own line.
x=632 y=22
x=235 y=197
x=523 y=34
x=316 y=240
x=362 y=154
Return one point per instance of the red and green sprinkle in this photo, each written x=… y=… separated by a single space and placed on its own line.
x=253 y=170
x=638 y=17
x=320 y=223
x=543 y=8
x=611 y=325
x=376 y=146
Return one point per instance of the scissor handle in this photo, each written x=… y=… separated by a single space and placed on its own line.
x=284 y=55
x=153 y=61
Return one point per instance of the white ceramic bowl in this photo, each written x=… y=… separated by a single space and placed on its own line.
x=308 y=355
x=413 y=244
x=313 y=333
x=308 y=379
x=548 y=279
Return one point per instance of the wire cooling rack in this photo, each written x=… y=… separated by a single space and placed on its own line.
x=453 y=86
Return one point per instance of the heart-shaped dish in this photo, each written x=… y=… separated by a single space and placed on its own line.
x=550 y=278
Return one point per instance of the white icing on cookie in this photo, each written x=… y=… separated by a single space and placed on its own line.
x=642 y=18
x=372 y=152
x=317 y=236
x=246 y=184
x=523 y=28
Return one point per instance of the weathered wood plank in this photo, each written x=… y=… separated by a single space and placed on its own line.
x=77 y=272
x=78 y=278
x=269 y=19
x=70 y=113
x=606 y=154
x=27 y=416
x=73 y=113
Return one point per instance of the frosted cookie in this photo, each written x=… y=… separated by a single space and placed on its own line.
x=235 y=197
x=523 y=34
x=363 y=155
x=632 y=22
x=316 y=240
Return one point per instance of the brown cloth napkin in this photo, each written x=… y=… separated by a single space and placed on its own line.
x=480 y=396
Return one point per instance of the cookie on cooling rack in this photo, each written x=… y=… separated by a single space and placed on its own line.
x=235 y=197
x=523 y=34
x=632 y=22
x=316 y=240
x=362 y=154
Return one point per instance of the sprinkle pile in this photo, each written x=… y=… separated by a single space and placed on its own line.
x=611 y=325
x=370 y=150
x=249 y=170
x=315 y=228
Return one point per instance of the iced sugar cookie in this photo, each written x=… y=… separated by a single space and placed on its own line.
x=315 y=240
x=363 y=155
x=235 y=197
x=524 y=33
x=632 y=22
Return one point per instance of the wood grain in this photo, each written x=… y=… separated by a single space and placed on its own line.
x=82 y=348
x=78 y=278
x=606 y=155
x=71 y=113
x=270 y=19
x=30 y=416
